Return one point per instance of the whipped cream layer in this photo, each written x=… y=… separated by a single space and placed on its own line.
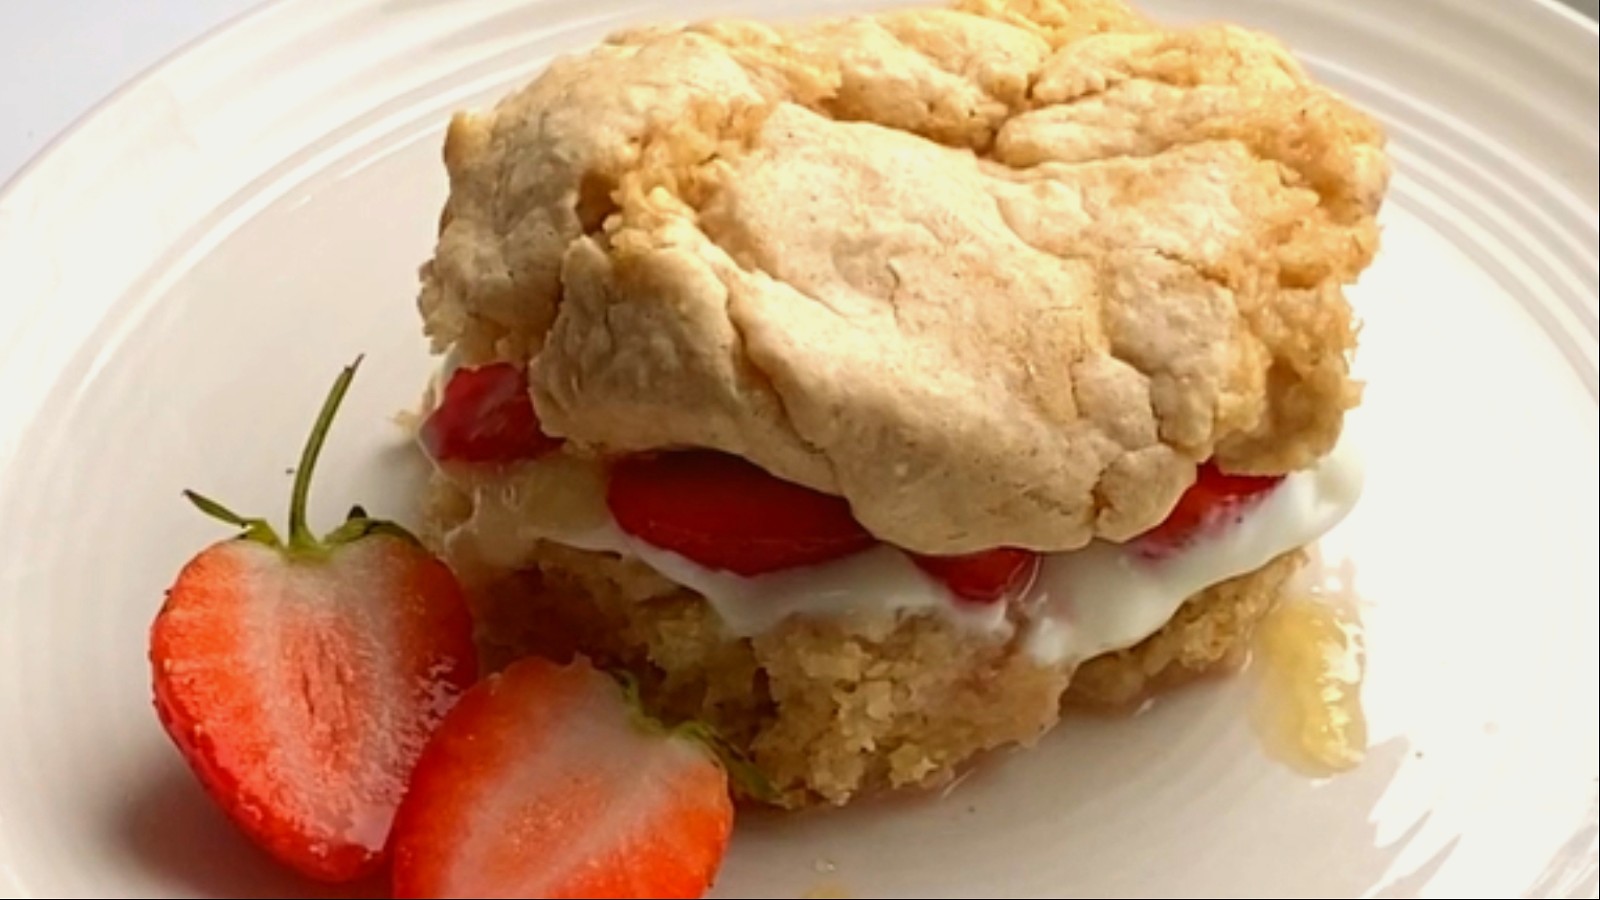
x=1107 y=597
x=1082 y=604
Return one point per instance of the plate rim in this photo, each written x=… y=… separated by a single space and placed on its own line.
x=224 y=30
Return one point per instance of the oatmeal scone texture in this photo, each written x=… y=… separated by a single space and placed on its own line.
x=827 y=711
x=999 y=274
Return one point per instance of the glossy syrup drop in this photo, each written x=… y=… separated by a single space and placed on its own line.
x=1311 y=661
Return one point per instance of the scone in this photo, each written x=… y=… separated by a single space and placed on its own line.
x=874 y=388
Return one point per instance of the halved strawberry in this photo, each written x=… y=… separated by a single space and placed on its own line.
x=545 y=782
x=986 y=577
x=301 y=677
x=486 y=416
x=726 y=513
x=1215 y=498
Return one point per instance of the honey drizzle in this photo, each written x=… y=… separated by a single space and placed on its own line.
x=1311 y=659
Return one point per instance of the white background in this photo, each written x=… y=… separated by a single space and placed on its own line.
x=58 y=58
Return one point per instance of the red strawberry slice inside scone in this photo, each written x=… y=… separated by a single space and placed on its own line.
x=1215 y=500
x=301 y=677
x=725 y=513
x=486 y=416
x=987 y=577
x=544 y=781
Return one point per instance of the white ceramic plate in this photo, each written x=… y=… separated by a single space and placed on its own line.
x=187 y=269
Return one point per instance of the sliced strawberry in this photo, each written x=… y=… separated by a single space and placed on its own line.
x=986 y=577
x=1214 y=499
x=726 y=513
x=544 y=782
x=486 y=416
x=300 y=678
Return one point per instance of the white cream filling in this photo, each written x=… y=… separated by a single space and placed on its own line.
x=871 y=587
x=1082 y=604
x=1107 y=597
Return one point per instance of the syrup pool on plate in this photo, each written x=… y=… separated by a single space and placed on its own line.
x=1311 y=662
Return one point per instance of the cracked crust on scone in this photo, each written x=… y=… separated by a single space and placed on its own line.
x=1000 y=274
x=829 y=710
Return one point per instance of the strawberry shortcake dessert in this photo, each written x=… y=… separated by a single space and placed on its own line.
x=874 y=389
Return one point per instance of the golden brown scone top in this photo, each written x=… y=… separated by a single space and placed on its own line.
x=999 y=274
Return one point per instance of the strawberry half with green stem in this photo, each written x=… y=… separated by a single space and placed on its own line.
x=300 y=677
x=547 y=781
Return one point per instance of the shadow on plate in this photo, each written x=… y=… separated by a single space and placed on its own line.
x=173 y=831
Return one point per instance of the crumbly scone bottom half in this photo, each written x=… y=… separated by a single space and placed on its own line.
x=833 y=710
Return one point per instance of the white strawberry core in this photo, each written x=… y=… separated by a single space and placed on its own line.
x=345 y=714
